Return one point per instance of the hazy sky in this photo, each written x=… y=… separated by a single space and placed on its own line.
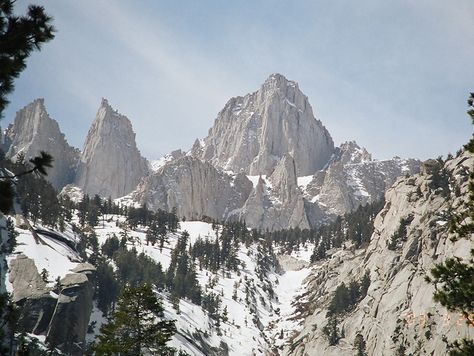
x=392 y=75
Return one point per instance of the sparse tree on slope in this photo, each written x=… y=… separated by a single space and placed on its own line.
x=137 y=326
x=454 y=279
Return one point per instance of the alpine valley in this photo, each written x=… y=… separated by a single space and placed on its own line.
x=265 y=238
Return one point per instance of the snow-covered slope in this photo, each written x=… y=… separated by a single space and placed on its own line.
x=254 y=316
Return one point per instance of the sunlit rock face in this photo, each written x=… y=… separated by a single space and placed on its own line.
x=111 y=164
x=252 y=133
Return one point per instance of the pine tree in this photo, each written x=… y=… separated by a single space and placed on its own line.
x=19 y=36
x=360 y=346
x=44 y=275
x=137 y=327
x=454 y=278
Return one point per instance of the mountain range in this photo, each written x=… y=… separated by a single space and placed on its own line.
x=266 y=160
x=335 y=264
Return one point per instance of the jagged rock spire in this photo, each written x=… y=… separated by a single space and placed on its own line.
x=33 y=131
x=111 y=164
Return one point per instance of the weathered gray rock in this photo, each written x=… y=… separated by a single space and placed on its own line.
x=283 y=197
x=353 y=178
x=277 y=203
x=195 y=188
x=62 y=318
x=252 y=133
x=31 y=295
x=111 y=164
x=34 y=131
x=398 y=310
x=68 y=325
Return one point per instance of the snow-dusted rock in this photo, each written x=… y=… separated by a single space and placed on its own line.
x=252 y=133
x=34 y=131
x=111 y=164
x=353 y=178
x=277 y=203
x=195 y=188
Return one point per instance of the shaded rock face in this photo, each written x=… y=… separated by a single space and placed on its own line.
x=195 y=188
x=34 y=131
x=70 y=320
x=62 y=318
x=111 y=164
x=252 y=133
x=398 y=310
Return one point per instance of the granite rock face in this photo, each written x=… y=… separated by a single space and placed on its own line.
x=72 y=312
x=195 y=188
x=63 y=318
x=33 y=131
x=252 y=133
x=111 y=164
x=276 y=203
x=398 y=311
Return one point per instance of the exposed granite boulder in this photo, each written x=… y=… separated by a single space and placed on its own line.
x=31 y=295
x=68 y=325
x=63 y=318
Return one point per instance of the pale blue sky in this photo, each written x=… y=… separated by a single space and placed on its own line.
x=392 y=75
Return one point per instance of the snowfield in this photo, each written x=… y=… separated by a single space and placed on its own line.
x=254 y=324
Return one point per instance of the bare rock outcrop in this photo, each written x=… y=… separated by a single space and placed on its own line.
x=33 y=131
x=353 y=178
x=111 y=164
x=63 y=315
x=271 y=136
x=276 y=203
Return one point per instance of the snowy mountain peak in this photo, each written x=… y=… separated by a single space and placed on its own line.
x=252 y=133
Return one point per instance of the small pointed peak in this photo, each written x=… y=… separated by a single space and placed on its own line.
x=105 y=103
x=351 y=152
x=39 y=102
x=278 y=80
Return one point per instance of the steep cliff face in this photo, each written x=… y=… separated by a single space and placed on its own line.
x=34 y=131
x=398 y=313
x=195 y=188
x=111 y=164
x=252 y=133
x=62 y=316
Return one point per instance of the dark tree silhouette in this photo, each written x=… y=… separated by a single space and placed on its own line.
x=137 y=326
x=19 y=36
